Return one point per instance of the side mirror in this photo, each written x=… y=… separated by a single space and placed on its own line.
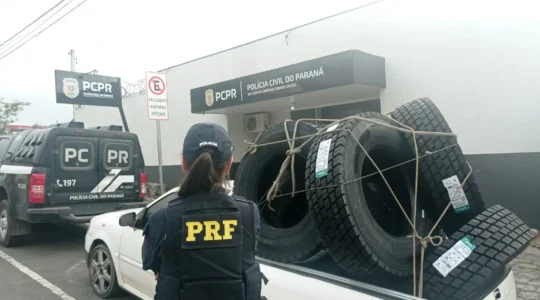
x=127 y=219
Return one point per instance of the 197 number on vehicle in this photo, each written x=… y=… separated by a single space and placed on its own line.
x=66 y=182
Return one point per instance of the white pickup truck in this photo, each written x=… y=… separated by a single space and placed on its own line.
x=115 y=264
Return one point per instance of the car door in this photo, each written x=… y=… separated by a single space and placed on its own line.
x=131 y=256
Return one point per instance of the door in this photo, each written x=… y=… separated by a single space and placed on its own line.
x=75 y=172
x=131 y=263
x=131 y=254
x=117 y=170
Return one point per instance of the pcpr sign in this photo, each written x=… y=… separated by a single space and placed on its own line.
x=87 y=89
x=156 y=86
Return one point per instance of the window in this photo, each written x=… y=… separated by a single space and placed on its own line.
x=350 y=109
x=337 y=111
x=118 y=156
x=304 y=114
x=161 y=204
x=77 y=155
x=4 y=143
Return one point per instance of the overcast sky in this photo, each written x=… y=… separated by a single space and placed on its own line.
x=125 y=38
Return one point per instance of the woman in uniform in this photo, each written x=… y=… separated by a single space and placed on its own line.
x=202 y=245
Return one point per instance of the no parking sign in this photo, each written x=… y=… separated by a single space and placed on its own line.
x=158 y=110
x=156 y=86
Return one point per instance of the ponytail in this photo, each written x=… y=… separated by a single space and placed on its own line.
x=204 y=176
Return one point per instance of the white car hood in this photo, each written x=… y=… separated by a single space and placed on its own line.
x=115 y=215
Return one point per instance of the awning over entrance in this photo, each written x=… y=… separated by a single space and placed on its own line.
x=358 y=75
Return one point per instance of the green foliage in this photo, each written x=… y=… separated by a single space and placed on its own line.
x=9 y=112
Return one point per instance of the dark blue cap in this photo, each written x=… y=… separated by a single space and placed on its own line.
x=203 y=136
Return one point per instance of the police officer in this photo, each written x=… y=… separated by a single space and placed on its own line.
x=202 y=246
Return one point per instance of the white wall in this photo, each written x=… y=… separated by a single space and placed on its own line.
x=475 y=68
x=238 y=135
x=477 y=65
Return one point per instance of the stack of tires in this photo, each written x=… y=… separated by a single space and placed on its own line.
x=345 y=209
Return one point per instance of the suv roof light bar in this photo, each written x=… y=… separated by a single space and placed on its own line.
x=70 y=124
x=108 y=128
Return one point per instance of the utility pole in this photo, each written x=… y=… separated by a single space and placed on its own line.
x=71 y=53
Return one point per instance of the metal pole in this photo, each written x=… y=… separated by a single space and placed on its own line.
x=158 y=128
x=123 y=116
x=73 y=63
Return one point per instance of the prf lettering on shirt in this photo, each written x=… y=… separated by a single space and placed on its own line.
x=211 y=230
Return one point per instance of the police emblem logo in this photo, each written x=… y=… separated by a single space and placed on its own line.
x=71 y=87
x=209 y=99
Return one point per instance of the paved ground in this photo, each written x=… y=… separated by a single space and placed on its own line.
x=527 y=271
x=56 y=254
x=54 y=257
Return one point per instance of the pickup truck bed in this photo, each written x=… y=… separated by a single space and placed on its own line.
x=292 y=282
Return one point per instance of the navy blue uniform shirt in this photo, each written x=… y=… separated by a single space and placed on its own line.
x=154 y=231
x=153 y=234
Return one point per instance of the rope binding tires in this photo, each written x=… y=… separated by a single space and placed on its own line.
x=372 y=165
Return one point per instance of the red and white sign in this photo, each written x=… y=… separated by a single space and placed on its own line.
x=156 y=93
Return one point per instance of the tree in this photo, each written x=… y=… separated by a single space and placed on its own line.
x=9 y=112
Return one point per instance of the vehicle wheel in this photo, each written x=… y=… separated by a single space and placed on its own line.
x=102 y=272
x=6 y=227
x=359 y=221
x=499 y=236
x=422 y=114
x=288 y=234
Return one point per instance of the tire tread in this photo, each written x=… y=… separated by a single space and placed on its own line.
x=499 y=236
x=329 y=208
x=423 y=115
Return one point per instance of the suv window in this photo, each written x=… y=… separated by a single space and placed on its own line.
x=4 y=143
x=77 y=155
x=161 y=204
x=118 y=156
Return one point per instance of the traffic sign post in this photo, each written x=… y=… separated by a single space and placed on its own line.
x=156 y=86
x=158 y=110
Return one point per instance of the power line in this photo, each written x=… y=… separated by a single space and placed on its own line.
x=34 y=30
x=57 y=4
x=63 y=16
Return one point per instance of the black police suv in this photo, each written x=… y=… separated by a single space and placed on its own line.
x=66 y=173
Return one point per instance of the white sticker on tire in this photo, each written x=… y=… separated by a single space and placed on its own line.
x=321 y=165
x=457 y=195
x=454 y=256
x=332 y=128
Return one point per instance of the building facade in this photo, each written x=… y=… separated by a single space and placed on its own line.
x=477 y=66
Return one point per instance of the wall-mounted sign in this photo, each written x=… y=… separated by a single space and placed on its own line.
x=87 y=89
x=156 y=96
x=340 y=69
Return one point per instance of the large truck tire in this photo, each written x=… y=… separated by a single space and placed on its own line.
x=288 y=234
x=423 y=115
x=499 y=236
x=360 y=223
